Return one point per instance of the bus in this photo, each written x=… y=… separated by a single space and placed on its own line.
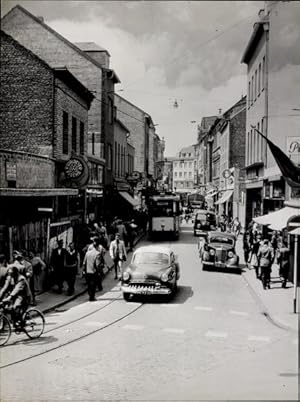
x=195 y=201
x=164 y=215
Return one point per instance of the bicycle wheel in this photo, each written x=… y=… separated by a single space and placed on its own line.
x=34 y=323
x=5 y=330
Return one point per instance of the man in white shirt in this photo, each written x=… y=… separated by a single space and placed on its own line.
x=118 y=254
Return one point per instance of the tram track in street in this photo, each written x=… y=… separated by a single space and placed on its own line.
x=15 y=362
x=58 y=327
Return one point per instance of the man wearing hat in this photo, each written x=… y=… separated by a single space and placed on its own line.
x=58 y=263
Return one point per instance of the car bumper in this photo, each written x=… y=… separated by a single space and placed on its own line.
x=145 y=290
x=221 y=265
x=200 y=232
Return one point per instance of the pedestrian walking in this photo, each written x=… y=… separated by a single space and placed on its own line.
x=91 y=266
x=58 y=264
x=246 y=246
x=121 y=230
x=284 y=263
x=39 y=271
x=3 y=269
x=236 y=227
x=72 y=267
x=253 y=257
x=118 y=254
x=132 y=227
x=265 y=258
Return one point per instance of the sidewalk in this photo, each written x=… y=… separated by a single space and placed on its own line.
x=276 y=303
x=50 y=300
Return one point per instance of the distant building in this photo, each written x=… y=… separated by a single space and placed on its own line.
x=185 y=170
x=272 y=96
x=142 y=132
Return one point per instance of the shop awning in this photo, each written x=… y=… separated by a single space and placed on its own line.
x=295 y=232
x=225 y=197
x=128 y=198
x=277 y=220
x=211 y=195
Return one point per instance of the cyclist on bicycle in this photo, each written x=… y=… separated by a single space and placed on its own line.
x=17 y=291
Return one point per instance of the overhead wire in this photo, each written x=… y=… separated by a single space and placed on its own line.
x=204 y=43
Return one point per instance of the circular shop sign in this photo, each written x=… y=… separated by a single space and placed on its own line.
x=226 y=173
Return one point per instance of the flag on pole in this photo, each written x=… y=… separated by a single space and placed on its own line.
x=289 y=170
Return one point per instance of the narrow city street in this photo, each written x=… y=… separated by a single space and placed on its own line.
x=210 y=342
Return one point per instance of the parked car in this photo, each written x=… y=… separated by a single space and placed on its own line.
x=220 y=252
x=154 y=270
x=204 y=222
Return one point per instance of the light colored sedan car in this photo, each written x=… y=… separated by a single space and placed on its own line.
x=154 y=270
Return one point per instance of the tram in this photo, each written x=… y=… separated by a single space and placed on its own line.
x=164 y=216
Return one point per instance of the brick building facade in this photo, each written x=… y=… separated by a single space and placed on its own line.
x=43 y=125
x=56 y=50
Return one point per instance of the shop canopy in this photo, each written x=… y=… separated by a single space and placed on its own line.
x=211 y=194
x=278 y=220
x=225 y=197
x=129 y=199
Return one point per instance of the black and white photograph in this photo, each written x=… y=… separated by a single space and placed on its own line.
x=149 y=200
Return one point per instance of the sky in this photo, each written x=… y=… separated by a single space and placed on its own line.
x=162 y=51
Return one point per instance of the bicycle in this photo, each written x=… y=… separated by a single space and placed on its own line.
x=32 y=323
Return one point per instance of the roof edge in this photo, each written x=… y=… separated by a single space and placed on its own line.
x=59 y=36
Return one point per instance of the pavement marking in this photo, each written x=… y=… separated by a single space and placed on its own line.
x=169 y=305
x=243 y=313
x=95 y=324
x=174 y=330
x=133 y=327
x=203 y=308
x=258 y=338
x=214 y=334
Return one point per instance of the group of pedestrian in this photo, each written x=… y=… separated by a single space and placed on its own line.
x=260 y=254
x=64 y=264
x=29 y=265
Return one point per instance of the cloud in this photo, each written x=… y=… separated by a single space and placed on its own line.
x=162 y=51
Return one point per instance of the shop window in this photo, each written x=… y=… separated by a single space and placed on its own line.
x=65 y=133
x=81 y=138
x=74 y=134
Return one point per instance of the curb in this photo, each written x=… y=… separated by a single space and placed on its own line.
x=264 y=309
x=82 y=292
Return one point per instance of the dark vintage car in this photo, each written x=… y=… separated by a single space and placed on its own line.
x=204 y=221
x=153 y=270
x=219 y=252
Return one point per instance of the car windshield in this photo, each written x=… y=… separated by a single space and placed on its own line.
x=203 y=216
x=221 y=239
x=150 y=258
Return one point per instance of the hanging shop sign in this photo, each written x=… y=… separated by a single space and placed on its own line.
x=76 y=172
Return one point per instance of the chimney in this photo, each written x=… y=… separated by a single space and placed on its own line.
x=41 y=18
x=220 y=112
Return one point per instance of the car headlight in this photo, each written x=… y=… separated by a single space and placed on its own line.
x=230 y=254
x=212 y=252
x=164 y=277
x=126 y=276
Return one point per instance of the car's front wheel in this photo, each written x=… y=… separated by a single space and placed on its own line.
x=126 y=296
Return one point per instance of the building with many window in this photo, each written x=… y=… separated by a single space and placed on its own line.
x=272 y=95
x=185 y=170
